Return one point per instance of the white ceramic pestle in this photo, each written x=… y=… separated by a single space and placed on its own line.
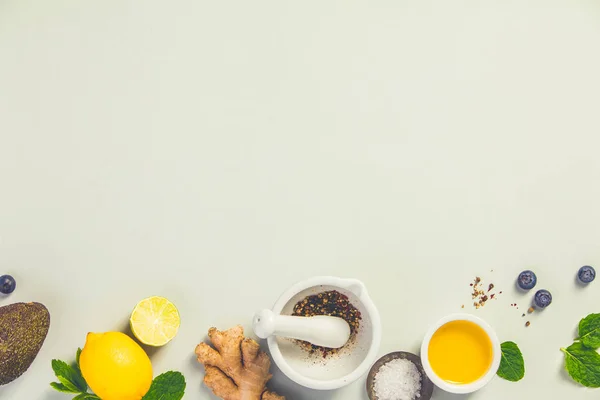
x=320 y=330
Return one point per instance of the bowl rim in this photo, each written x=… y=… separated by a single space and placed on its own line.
x=363 y=367
x=468 y=387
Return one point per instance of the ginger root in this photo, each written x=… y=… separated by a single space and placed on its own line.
x=236 y=369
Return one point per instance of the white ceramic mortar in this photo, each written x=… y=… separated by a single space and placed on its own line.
x=340 y=369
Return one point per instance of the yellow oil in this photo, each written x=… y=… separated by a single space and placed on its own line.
x=460 y=352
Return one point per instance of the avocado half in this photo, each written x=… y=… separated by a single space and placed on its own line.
x=23 y=329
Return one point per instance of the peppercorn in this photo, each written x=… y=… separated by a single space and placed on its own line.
x=332 y=303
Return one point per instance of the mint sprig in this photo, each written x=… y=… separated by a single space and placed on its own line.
x=69 y=378
x=582 y=360
x=167 y=386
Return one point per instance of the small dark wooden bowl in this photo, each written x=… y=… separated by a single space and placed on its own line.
x=426 y=384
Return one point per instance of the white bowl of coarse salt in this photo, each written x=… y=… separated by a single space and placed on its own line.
x=399 y=376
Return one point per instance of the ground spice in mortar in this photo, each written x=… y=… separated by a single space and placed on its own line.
x=331 y=303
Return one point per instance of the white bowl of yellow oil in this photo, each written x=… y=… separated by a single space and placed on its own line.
x=461 y=353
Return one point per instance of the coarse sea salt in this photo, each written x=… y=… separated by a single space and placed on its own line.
x=398 y=379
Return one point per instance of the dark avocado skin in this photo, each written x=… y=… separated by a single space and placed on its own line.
x=23 y=329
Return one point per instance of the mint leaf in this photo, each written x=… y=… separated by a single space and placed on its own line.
x=75 y=365
x=77 y=356
x=167 y=386
x=86 y=396
x=62 y=388
x=512 y=365
x=67 y=383
x=583 y=364
x=69 y=376
x=589 y=331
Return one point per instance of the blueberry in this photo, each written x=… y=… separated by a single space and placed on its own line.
x=586 y=274
x=527 y=280
x=542 y=298
x=7 y=284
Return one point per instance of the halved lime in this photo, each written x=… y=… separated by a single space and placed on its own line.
x=155 y=321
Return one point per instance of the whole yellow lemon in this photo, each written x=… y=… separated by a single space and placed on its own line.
x=115 y=366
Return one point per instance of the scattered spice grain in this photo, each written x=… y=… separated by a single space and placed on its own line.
x=479 y=293
x=527 y=324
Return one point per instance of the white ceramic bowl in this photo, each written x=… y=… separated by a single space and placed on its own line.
x=470 y=387
x=340 y=369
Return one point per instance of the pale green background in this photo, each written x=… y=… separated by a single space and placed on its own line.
x=217 y=152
